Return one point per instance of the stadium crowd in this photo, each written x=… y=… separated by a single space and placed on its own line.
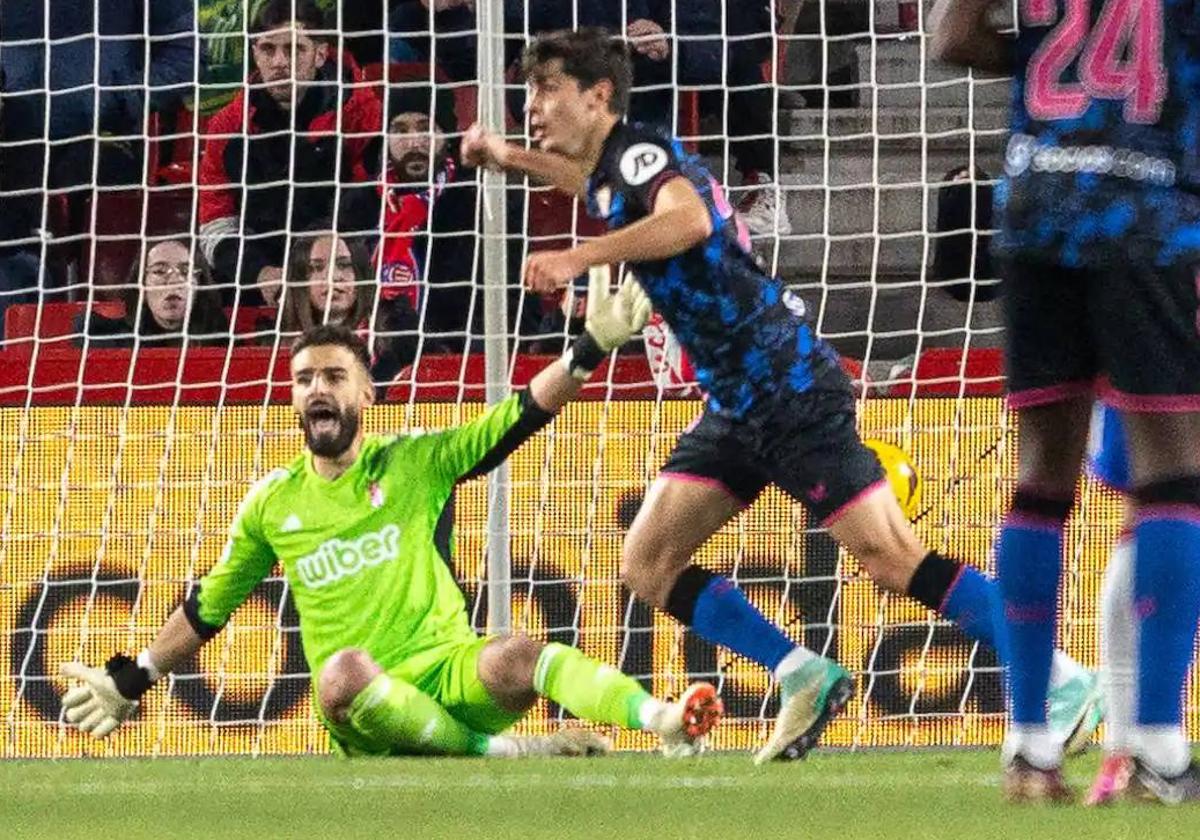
x=205 y=171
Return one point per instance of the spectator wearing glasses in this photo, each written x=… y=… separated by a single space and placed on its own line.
x=169 y=302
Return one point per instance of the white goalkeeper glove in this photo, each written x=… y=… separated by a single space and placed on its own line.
x=108 y=696
x=612 y=319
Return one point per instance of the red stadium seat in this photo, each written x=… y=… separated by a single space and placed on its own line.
x=208 y=376
x=57 y=319
x=943 y=371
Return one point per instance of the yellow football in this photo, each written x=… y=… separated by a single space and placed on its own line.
x=901 y=473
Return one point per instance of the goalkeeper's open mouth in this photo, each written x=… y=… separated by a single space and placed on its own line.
x=323 y=419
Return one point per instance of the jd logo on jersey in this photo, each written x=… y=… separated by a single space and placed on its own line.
x=335 y=559
x=641 y=162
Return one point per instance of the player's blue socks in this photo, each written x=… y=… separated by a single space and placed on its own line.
x=1028 y=567
x=718 y=612
x=961 y=594
x=1166 y=590
x=973 y=603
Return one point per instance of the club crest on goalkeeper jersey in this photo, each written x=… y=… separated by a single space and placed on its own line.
x=366 y=555
x=1103 y=163
x=747 y=337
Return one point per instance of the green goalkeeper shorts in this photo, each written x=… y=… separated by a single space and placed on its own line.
x=450 y=675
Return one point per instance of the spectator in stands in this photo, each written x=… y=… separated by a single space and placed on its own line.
x=222 y=27
x=731 y=56
x=18 y=238
x=962 y=260
x=95 y=100
x=441 y=32
x=169 y=300
x=276 y=153
x=426 y=202
x=328 y=281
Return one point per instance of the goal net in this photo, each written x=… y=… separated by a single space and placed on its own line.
x=142 y=397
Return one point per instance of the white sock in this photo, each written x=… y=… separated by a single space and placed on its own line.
x=651 y=713
x=501 y=746
x=1118 y=648
x=799 y=657
x=1035 y=744
x=1164 y=748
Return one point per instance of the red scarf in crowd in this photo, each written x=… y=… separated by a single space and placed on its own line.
x=406 y=214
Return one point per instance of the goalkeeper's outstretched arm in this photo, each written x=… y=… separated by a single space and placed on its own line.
x=107 y=696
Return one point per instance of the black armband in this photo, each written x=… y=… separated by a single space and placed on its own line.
x=584 y=356
x=132 y=680
x=191 y=611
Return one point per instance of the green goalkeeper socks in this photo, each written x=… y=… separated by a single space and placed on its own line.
x=589 y=689
x=399 y=718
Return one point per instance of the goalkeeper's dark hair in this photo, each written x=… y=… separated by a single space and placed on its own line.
x=588 y=55
x=337 y=335
x=270 y=15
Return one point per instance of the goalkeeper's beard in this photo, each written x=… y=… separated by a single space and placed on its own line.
x=327 y=445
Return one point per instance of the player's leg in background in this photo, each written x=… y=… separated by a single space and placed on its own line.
x=1146 y=330
x=1118 y=668
x=371 y=712
x=516 y=670
x=1109 y=464
x=678 y=515
x=1165 y=460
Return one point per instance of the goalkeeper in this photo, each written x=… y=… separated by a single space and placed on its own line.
x=361 y=528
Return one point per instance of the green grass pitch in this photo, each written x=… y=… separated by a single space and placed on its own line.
x=917 y=794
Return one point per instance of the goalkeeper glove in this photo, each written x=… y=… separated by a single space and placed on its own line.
x=108 y=696
x=612 y=319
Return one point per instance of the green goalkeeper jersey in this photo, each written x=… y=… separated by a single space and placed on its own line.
x=367 y=554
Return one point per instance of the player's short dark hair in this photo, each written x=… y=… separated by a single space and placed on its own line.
x=337 y=335
x=588 y=55
x=270 y=15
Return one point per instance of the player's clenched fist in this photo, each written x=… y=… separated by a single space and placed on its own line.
x=547 y=271
x=482 y=147
x=107 y=696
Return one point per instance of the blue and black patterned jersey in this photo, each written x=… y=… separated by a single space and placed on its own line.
x=746 y=336
x=1104 y=158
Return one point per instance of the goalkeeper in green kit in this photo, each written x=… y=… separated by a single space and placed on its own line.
x=357 y=524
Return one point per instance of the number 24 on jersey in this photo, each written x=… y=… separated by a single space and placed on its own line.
x=1119 y=57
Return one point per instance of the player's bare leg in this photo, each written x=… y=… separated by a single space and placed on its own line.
x=678 y=515
x=516 y=670
x=1164 y=450
x=876 y=532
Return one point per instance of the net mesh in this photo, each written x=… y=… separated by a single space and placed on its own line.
x=134 y=422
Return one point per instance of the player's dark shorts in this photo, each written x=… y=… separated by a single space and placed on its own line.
x=806 y=443
x=1127 y=332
